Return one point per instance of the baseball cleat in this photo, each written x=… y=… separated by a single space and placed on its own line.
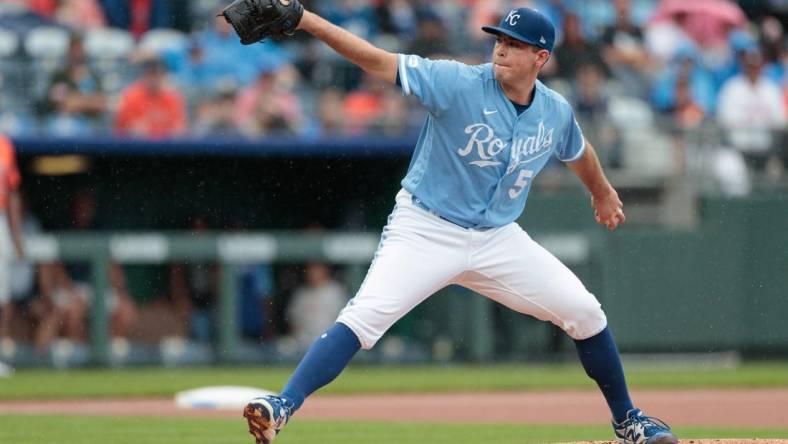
x=638 y=428
x=266 y=415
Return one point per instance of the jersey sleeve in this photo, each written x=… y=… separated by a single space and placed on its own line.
x=433 y=82
x=573 y=144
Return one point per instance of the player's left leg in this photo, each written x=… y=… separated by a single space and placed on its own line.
x=512 y=269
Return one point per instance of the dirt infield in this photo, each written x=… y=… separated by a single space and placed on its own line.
x=713 y=408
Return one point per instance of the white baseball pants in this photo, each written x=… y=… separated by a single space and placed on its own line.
x=420 y=253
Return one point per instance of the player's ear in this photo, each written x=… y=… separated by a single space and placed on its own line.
x=542 y=57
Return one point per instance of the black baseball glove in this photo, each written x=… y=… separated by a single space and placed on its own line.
x=254 y=20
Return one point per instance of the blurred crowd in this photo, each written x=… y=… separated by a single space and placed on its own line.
x=156 y=69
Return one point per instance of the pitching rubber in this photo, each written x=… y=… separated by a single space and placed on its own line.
x=259 y=415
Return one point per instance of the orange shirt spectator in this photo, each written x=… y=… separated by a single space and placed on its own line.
x=9 y=174
x=151 y=107
x=361 y=108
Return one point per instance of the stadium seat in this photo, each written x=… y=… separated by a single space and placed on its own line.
x=108 y=50
x=108 y=43
x=47 y=43
x=647 y=151
x=9 y=44
x=630 y=112
x=162 y=40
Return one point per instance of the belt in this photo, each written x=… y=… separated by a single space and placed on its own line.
x=416 y=201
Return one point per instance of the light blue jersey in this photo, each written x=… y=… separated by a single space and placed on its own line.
x=476 y=158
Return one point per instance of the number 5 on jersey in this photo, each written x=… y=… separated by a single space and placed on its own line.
x=520 y=183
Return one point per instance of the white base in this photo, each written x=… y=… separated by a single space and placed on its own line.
x=218 y=398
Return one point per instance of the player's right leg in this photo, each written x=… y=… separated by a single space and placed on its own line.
x=418 y=254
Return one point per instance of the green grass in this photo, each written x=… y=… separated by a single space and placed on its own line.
x=27 y=384
x=86 y=430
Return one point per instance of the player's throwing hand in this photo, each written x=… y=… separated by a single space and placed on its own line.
x=608 y=209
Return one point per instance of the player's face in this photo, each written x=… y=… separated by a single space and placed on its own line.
x=513 y=59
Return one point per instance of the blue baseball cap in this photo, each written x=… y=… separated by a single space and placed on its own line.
x=526 y=25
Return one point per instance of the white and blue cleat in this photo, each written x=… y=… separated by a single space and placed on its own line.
x=638 y=428
x=266 y=415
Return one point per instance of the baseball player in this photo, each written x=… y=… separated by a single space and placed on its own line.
x=11 y=246
x=490 y=129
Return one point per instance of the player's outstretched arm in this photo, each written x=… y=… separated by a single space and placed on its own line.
x=608 y=208
x=373 y=60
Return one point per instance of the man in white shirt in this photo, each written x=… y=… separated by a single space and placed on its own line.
x=751 y=106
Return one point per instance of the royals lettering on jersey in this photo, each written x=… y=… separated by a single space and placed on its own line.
x=475 y=157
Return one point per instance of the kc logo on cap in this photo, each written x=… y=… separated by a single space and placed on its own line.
x=526 y=25
x=513 y=17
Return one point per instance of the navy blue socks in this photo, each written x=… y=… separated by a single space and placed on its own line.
x=602 y=363
x=331 y=353
x=324 y=361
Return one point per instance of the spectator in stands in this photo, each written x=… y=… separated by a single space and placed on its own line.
x=590 y=97
x=79 y=14
x=432 y=38
x=574 y=50
x=151 y=107
x=76 y=14
x=664 y=35
x=224 y=59
x=315 y=304
x=11 y=246
x=268 y=105
x=397 y=17
x=139 y=16
x=687 y=112
x=394 y=118
x=624 y=51
x=194 y=289
x=374 y=106
x=685 y=68
x=357 y=16
x=74 y=102
x=215 y=114
x=774 y=49
x=194 y=72
x=751 y=106
x=331 y=118
x=708 y=25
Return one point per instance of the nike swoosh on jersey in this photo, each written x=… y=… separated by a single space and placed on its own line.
x=488 y=112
